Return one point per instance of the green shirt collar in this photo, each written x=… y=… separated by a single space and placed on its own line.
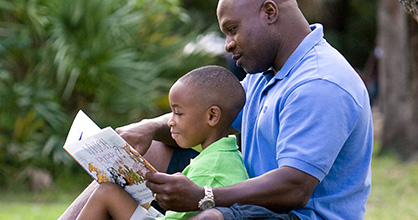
x=225 y=144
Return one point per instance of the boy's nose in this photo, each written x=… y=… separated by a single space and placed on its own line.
x=170 y=123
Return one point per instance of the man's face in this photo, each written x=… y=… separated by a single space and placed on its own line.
x=241 y=22
x=188 y=120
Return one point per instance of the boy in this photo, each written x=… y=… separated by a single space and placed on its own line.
x=204 y=103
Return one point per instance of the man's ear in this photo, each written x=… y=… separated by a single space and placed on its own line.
x=214 y=115
x=270 y=11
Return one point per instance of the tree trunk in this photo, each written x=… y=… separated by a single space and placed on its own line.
x=392 y=38
x=397 y=37
x=412 y=149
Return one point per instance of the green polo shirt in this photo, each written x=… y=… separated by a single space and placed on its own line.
x=220 y=164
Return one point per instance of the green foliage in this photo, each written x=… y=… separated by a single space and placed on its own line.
x=115 y=59
x=360 y=34
x=349 y=25
x=203 y=11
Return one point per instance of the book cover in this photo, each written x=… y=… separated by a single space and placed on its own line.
x=107 y=157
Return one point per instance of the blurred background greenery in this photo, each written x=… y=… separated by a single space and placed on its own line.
x=116 y=60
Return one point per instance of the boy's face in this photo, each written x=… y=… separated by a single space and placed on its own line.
x=188 y=121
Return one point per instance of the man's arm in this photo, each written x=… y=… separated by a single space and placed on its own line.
x=282 y=189
x=151 y=132
x=140 y=135
x=75 y=208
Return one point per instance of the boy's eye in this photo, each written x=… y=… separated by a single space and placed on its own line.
x=232 y=29
x=177 y=113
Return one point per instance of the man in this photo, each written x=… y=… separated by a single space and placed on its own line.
x=306 y=127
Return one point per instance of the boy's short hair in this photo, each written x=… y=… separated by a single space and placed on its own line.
x=216 y=85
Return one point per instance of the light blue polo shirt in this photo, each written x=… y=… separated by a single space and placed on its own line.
x=313 y=115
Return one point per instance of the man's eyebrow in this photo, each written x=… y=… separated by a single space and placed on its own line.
x=223 y=25
x=229 y=22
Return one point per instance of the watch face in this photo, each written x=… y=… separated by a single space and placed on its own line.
x=207 y=204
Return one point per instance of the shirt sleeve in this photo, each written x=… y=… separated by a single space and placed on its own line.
x=315 y=122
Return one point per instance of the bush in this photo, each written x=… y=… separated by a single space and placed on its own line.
x=115 y=59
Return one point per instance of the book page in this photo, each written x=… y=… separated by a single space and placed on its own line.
x=82 y=127
x=109 y=158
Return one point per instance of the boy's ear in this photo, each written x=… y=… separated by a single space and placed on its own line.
x=214 y=115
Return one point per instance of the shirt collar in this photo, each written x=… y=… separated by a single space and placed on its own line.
x=269 y=74
x=304 y=47
x=225 y=144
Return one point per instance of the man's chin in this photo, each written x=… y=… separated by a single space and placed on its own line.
x=247 y=70
x=253 y=70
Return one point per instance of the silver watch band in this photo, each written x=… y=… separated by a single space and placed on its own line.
x=208 y=200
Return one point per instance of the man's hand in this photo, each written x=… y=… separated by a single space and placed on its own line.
x=138 y=135
x=175 y=192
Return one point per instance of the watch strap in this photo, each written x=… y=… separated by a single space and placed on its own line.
x=208 y=200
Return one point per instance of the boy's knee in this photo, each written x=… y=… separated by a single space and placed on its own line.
x=105 y=190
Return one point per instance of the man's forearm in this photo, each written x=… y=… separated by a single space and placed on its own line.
x=278 y=190
x=140 y=135
x=161 y=129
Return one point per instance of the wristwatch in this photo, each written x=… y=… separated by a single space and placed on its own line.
x=208 y=201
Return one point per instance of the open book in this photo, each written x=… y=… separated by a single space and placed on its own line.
x=107 y=157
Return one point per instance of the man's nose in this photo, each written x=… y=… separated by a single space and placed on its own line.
x=229 y=45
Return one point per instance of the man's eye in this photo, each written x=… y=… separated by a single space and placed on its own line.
x=177 y=113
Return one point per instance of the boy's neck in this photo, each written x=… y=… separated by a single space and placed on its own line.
x=210 y=140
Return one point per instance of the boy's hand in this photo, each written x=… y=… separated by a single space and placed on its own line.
x=175 y=192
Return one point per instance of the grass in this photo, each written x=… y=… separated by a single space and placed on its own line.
x=17 y=202
x=393 y=195
x=28 y=206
